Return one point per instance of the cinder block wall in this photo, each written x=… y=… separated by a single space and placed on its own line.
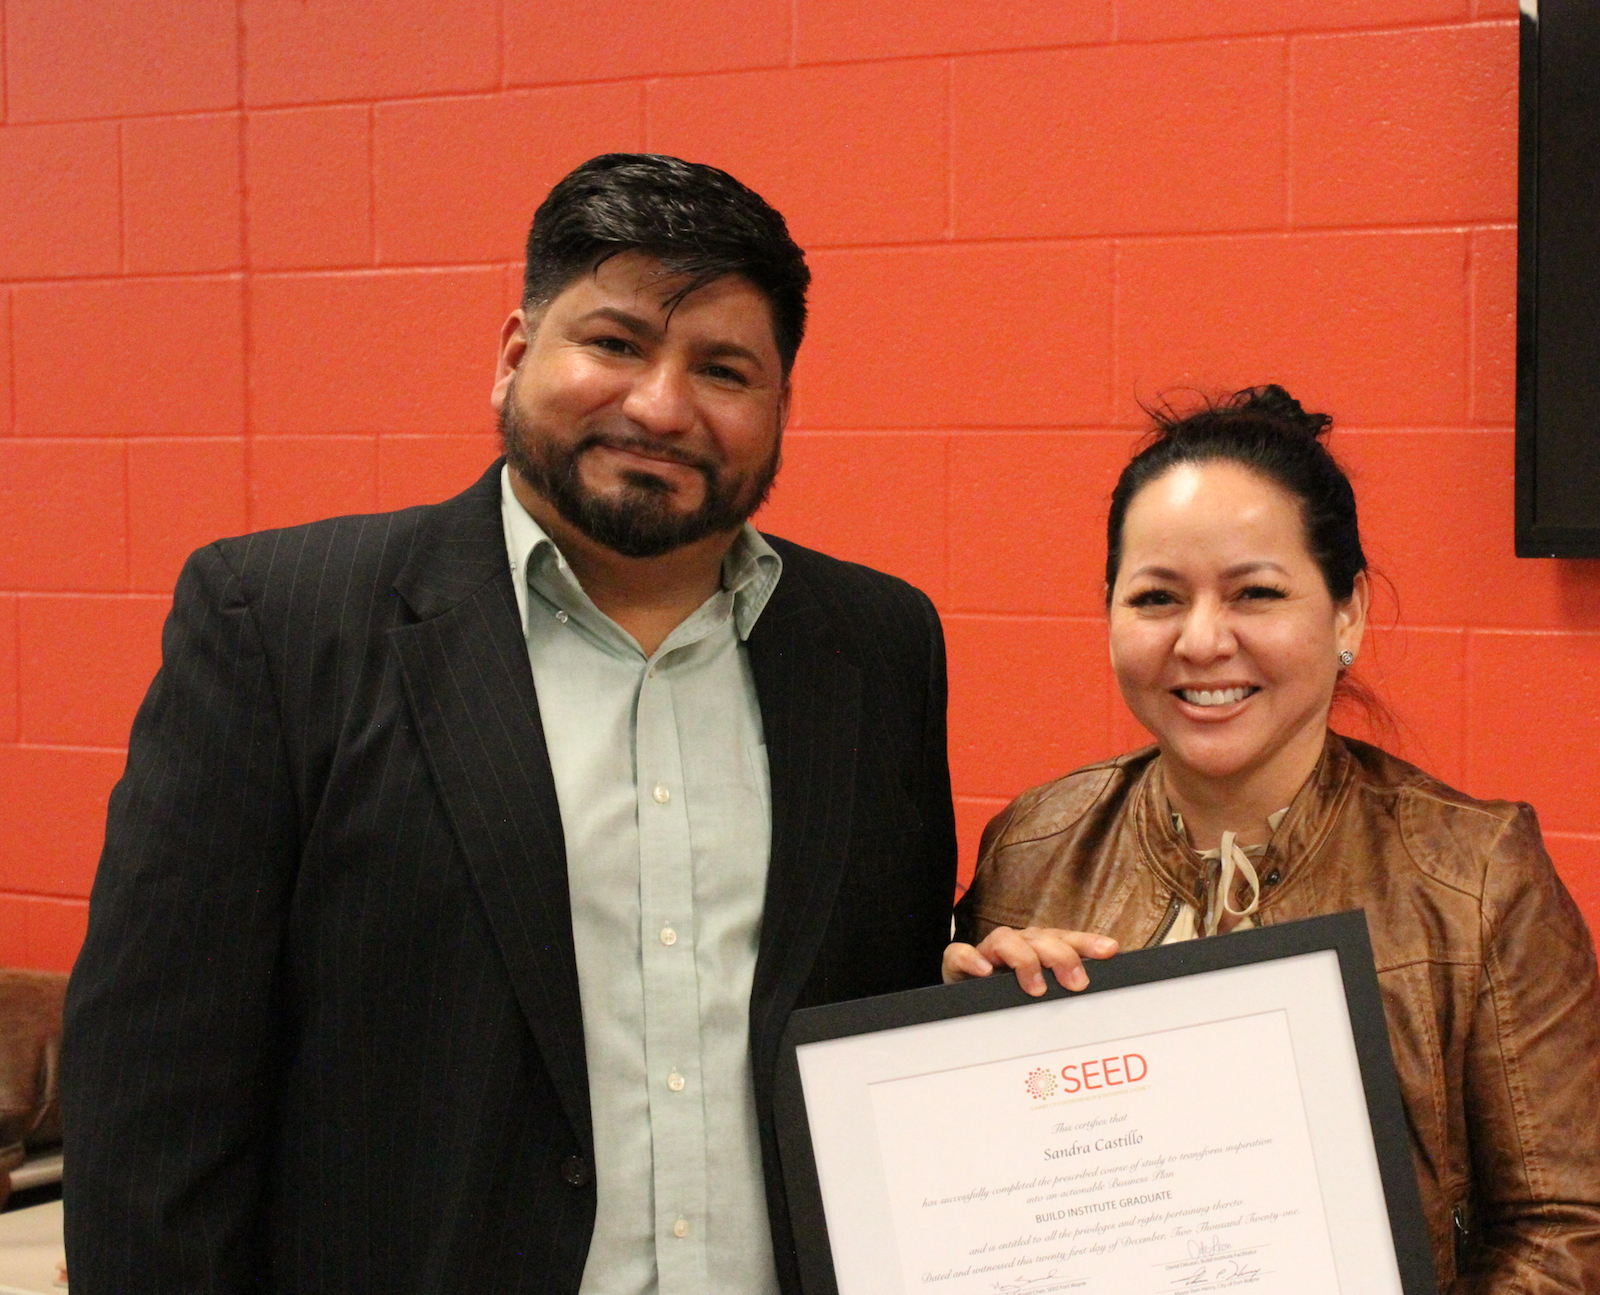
x=254 y=255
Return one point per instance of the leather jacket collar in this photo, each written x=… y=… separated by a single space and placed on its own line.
x=1292 y=852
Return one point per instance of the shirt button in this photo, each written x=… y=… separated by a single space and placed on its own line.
x=575 y=1172
x=669 y=937
x=680 y=1229
x=675 y=1082
x=661 y=793
x=562 y=617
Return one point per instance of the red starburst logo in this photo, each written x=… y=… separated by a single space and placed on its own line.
x=1040 y=1084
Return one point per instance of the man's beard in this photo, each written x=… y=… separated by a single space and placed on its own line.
x=639 y=522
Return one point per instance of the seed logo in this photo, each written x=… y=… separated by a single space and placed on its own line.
x=1040 y=1083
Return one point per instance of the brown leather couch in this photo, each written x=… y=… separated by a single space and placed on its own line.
x=30 y=1046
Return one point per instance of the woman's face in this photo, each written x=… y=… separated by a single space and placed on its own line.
x=1224 y=637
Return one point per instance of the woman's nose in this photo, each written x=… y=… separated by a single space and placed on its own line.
x=659 y=401
x=1206 y=634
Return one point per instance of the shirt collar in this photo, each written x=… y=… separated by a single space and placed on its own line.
x=750 y=569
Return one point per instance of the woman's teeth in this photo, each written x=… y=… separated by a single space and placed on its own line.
x=1220 y=697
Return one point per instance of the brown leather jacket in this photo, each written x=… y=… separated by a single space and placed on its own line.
x=30 y=1042
x=1487 y=971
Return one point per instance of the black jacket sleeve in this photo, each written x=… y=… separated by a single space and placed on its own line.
x=169 y=1042
x=938 y=803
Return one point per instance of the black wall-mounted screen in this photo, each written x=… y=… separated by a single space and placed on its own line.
x=1558 y=282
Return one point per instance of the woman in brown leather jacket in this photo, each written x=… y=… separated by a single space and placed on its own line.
x=1236 y=597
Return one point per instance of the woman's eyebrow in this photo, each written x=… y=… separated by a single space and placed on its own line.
x=1236 y=572
x=1250 y=568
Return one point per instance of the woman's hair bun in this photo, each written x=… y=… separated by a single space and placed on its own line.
x=1276 y=403
x=1268 y=431
x=1269 y=408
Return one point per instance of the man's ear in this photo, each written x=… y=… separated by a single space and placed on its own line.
x=785 y=399
x=514 y=335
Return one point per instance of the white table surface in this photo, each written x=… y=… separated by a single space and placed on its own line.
x=30 y=1250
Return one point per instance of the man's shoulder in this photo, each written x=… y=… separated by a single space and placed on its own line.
x=878 y=621
x=359 y=548
x=293 y=551
x=842 y=584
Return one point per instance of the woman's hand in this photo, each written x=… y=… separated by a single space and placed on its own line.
x=1028 y=952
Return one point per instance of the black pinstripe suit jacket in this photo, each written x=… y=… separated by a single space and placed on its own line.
x=324 y=1034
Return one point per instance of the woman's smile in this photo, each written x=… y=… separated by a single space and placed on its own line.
x=1216 y=696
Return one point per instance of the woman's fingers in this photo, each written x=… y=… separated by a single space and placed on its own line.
x=1064 y=951
x=963 y=962
x=1008 y=948
x=1032 y=951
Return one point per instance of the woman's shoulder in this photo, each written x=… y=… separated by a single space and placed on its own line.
x=1059 y=805
x=1041 y=856
x=1491 y=852
x=1421 y=793
x=1449 y=834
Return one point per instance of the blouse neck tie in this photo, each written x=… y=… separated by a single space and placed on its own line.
x=1233 y=861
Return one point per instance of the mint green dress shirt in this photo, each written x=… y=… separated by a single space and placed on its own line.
x=661 y=774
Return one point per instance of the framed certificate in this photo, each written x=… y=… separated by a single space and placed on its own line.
x=1214 y=1115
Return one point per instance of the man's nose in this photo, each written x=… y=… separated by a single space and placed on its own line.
x=659 y=400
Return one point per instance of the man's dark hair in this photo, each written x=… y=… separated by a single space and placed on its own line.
x=699 y=222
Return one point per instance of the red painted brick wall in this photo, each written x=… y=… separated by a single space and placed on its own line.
x=254 y=253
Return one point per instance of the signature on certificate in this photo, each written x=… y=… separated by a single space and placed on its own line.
x=1213 y=1265
x=1218 y=1275
x=1053 y=1280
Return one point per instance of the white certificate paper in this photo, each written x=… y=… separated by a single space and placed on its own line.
x=1224 y=1145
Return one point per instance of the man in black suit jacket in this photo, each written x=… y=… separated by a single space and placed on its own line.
x=325 y=1033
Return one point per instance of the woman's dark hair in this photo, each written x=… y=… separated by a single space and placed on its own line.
x=699 y=222
x=1265 y=430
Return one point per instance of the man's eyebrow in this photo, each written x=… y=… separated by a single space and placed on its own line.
x=635 y=324
x=645 y=328
x=733 y=350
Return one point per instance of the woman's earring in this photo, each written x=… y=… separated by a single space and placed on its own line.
x=1347 y=658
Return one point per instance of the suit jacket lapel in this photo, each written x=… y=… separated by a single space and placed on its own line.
x=471 y=693
x=810 y=698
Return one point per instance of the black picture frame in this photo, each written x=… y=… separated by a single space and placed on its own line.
x=1558 y=282
x=1344 y=934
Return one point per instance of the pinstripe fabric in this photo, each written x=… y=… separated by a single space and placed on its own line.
x=325 y=1032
